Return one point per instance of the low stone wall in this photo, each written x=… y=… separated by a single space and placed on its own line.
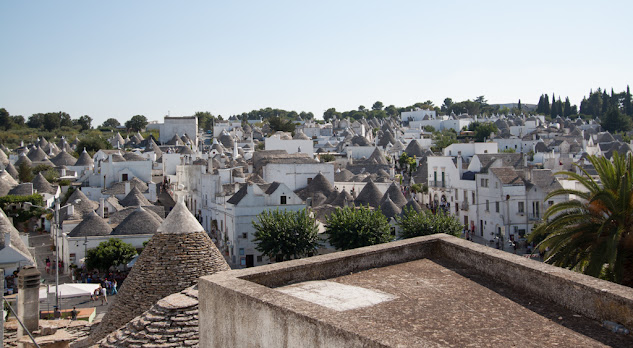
x=241 y=307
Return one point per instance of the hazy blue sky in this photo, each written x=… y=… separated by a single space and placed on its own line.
x=121 y=58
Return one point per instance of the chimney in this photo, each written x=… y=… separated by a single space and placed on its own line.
x=71 y=210
x=127 y=187
x=460 y=167
x=28 y=299
x=63 y=172
x=102 y=207
x=7 y=240
x=524 y=160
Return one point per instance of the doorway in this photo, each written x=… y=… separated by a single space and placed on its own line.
x=250 y=262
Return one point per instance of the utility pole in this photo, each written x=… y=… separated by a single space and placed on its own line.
x=57 y=254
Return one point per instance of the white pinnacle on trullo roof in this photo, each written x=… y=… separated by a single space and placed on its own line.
x=180 y=221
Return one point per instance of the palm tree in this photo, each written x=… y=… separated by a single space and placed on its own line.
x=593 y=232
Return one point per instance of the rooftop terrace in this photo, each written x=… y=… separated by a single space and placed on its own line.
x=427 y=291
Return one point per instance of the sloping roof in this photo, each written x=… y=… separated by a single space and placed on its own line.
x=545 y=180
x=414 y=149
x=378 y=156
x=133 y=156
x=271 y=188
x=64 y=159
x=37 y=154
x=42 y=185
x=360 y=141
x=343 y=199
x=5 y=176
x=507 y=176
x=118 y=188
x=92 y=225
x=23 y=158
x=116 y=217
x=25 y=189
x=237 y=197
x=139 y=222
x=7 y=227
x=82 y=205
x=389 y=208
x=369 y=195
x=180 y=252
x=318 y=184
x=255 y=179
x=84 y=160
x=170 y=320
x=344 y=175
x=5 y=186
x=134 y=198
x=412 y=204
x=3 y=158
x=11 y=170
x=395 y=194
x=300 y=136
x=514 y=160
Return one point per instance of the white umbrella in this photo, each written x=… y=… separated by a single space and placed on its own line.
x=71 y=290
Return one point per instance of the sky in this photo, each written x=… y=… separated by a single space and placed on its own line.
x=123 y=58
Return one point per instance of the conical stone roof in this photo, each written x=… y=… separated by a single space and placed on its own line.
x=319 y=184
x=6 y=176
x=379 y=157
x=42 y=185
x=5 y=185
x=92 y=225
x=3 y=158
x=414 y=149
x=369 y=195
x=10 y=168
x=412 y=204
x=7 y=227
x=37 y=154
x=134 y=198
x=23 y=159
x=84 y=160
x=344 y=175
x=173 y=260
x=389 y=208
x=139 y=222
x=396 y=195
x=169 y=320
x=82 y=205
x=343 y=199
x=64 y=159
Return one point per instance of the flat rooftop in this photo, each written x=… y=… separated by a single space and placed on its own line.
x=424 y=292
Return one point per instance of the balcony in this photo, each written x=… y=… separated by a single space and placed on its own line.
x=535 y=217
x=436 y=183
x=464 y=206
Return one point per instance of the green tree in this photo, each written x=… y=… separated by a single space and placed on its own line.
x=391 y=111
x=444 y=138
x=614 y=121
x=111 y=123
x=593 y=233
x=48 y=172
x=51 y=121
x=285 y=235
x=519 y=106
x=5 y=119
x=110 y=253
x=280 y=124
x=136 y=123
x=327 y=157
x=482 y=130
x=407 y=163
x=330 y=114
x=206 y=120
x=85 y=122
x=93 y=144
x=447 y=106
x=350 y=228
x=377 y=106
x=25 y=173
x=414 y=224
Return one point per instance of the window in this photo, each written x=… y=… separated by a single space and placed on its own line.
x=456 y=194
x=521 y=207
x=497 y=207
x=483 y=182
x=123 y=177
x=259 y=258
x=309 y=181
x=551 y=203
x=473 y=197
x=282 y=200
x=487 y=205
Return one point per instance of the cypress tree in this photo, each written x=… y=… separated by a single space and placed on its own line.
x=559 y=107
x=606 y=102
x=554 y=108
x=628 y=106
x=567 y=108
x=519 y=105
x=545 y=104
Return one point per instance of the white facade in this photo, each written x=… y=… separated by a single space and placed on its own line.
x=470 y=149
x=179 y=126
x=274 y=142
x=297 y=175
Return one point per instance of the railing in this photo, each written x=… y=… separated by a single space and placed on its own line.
x=464 y=206
x=436 y=183
x=535 y=216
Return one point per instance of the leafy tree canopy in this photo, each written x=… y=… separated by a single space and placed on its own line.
x=110 y=253
x=350 y=228
x=136 y=123
x=414 y=224
x=111 y=123
x=482 y=130
x=286 y=234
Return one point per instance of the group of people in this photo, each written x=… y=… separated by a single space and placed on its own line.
x=49 y=264
x=101 y=293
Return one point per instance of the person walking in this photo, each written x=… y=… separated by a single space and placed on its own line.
x=73 y=314
x=104 y=295
x=114 y=289
x=48 y=265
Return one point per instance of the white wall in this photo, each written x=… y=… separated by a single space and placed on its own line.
x=296 y=176
x=291 y=146
x=179 y=125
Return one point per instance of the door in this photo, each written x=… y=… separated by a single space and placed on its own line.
x=481 y=227
x=123 y=177
x=250 y=262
